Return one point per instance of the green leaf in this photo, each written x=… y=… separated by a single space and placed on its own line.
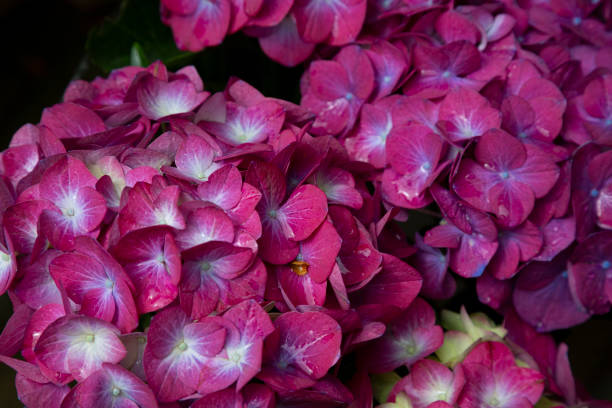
x=382 y=384
x=137 y=56
x=136 y=36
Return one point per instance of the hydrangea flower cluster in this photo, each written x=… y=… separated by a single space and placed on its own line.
x=499 y=117
x=288 y=30
x=165 y=246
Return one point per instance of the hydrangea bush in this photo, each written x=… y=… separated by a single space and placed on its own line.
x=165 y=246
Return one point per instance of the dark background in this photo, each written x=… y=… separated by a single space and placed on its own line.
x=43 y=48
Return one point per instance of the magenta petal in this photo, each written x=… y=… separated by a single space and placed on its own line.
x=301 y=350
x=258 y=396
x=19 y=161
x=410 y=337
x=542 y=296
x=283 y=44
x=158 y=99
x=92 y=277
x=254 y=325
x=37 y=288
x=558 y=234
x=227 y=398
x=69 y=120
x=430 y=381
x=432 y=265
x=362 y=262
x=152 y=260
x=207 y=26
x=397 y=284
x=314 y=20
x=519 y=244
x=144 y=209
x=39 y=395
x=414 y=148
x=369 y=142
x=300 y=289
x=223 y=187
x=39 y=321
x=204 y=225
x=14 y=332
x=79 y=345
x=493 y=378
x=114 y=386
x=467 y=114
x=303 y=212
x=319 y=251
x=589 y=272
x=339 y=187
x=194 y=158
x=177 y=350
x=206 y=271
x=499 y=151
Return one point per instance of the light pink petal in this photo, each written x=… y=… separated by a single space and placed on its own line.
x=158 y=98
x=223 y=187
x=204 y=225
x=194 y=158
x=20 y=221
x=114 y=386
x=79 y=345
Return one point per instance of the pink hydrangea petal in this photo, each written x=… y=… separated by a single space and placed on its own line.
x=519 y=244
x=432 y=265
x=410 y=337
x=204 y=225
x=558 y=234
x=69 y=120
x=396 y=284
x=314 y=20
x=300 y=289
x=430 y=381
x=542 y=296
x=303 y=212
x=453 y=26
x=362 y=262
x=319 y=251
x=283 y=44
x=37 y=395
x=14 y=332
x=206 y=26
x=158 y=98
x=176 y=352
x=467 y=114
x=91 y=276
x=194 y=158
x=223 y=187
x=206 y=269
x=79 y=345
x=151 y=259
x=499 y=151
x=294 y=357
x=368 y=144
x=113 y=386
